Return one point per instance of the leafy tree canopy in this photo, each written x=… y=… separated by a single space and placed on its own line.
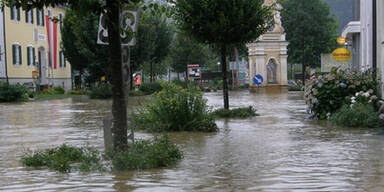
x=310 y=30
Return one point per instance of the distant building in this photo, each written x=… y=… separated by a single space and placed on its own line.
x=359 y=33
x=30 y=42
x=379 y=43
x=268 y=54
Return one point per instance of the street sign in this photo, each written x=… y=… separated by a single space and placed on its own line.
x=128 y=24
x=341 y=54
x=258 y=79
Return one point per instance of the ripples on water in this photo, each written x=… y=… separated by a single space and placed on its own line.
x=277 y=151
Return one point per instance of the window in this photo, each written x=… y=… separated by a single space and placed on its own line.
x=29 y=16
x=62 y=59
x=31 y=55
x=61 y=21
x=15 y=13
x=40 y=17
x=16 y=54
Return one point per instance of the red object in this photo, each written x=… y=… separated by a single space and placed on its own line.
x=55 y=44
x=137 y=80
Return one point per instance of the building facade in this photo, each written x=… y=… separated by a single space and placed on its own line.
x=268 y=54
x=380 y=41
x=32 y=47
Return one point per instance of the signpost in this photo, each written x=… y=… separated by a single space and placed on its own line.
x=341 y=54
x=258 y=79
x=194 y=73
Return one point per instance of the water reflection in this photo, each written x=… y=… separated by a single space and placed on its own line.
x=277 y=151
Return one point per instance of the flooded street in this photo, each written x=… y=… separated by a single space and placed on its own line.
x=277 y=151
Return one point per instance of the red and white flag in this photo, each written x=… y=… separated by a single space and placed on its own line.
x=52 y=41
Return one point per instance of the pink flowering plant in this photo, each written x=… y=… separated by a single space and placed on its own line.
x=326 y=93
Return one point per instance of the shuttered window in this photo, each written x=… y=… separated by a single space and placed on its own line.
x=15 y=13
x=62 y=59
x=29 y=16
x=16 y=54
x=61 y=21
x=30 y=55
x=40 y=17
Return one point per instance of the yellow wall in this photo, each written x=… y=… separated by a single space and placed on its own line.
x=23 y=33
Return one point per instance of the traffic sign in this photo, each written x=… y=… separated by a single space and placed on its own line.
x=258 y=79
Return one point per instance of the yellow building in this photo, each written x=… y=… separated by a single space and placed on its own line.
x=31 y=43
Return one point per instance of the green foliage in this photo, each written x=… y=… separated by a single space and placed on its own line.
x=310 y=30
x=136 y=93
x=175 y=109
x=180 y=83
x=103 y=91
x=154 y=36
x=64 y=158
x=186 y=50
x=79 y=92
x=9 y=93
x=296 y=86
x=325 y=94
x=81 y=48
x=149 y=88
x=233 y=113
x=147 y=154
x=358 y=115
x=58 y=90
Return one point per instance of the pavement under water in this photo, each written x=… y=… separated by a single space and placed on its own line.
x=279 y=151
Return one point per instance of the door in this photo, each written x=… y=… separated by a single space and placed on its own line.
x=271 y=71
x=42 y=66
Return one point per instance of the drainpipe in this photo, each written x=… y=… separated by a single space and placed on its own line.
x=5 y=48
x=374 y=26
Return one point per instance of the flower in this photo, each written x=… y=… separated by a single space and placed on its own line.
x=353 y=101
x=370 y=91
x=366 y=94
x=343 y=85
x=357 y=94
x=353 y=98
x=373 y=97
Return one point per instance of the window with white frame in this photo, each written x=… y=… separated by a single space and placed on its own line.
x=15 y=13
x=62 y=59
x=31 y=55
x=61 y=21
x=40 y=17
x=29 y=16
x=16 y=54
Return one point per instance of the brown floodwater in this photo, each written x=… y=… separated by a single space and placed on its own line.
x=279 y=151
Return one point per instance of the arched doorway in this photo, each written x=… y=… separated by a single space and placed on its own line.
x=271 y=71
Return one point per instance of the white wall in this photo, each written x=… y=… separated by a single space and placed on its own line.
x=2 y=50
x=366 y=20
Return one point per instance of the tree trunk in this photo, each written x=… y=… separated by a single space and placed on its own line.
x=224 y=73
x=81 y=78
x=119 y=110
x=151 y=72
x=130 y=78
x=303 y=68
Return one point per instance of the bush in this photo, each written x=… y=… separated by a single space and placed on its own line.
x=59 y=90
x=10 y=92
x=136 y=93
x=233 y=113
x=150 y=88
x=180 y=83
x=79 y=92
x=358 y=115
x=326 y=94
x=144 y=154
x=103 y=91
x=175 y=109
x=64 y=158
x=245 y=86
x=296 y=86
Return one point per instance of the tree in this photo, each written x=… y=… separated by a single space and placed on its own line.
x=80 y=48
x=112 y=9
x=186 y=50
x=222 y=24
x=154 y=38
x=310 y=30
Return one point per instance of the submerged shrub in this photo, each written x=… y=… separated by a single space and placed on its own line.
x=149 y=88
x=146 y=154
x=357 y=115
x=58 y=90
x=10 y=92
x=175 y=109
x=325 y=94
x=239 y=112
x=63 y=158
x=103 y=91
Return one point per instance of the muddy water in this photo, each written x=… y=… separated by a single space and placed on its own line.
x=277 y=151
